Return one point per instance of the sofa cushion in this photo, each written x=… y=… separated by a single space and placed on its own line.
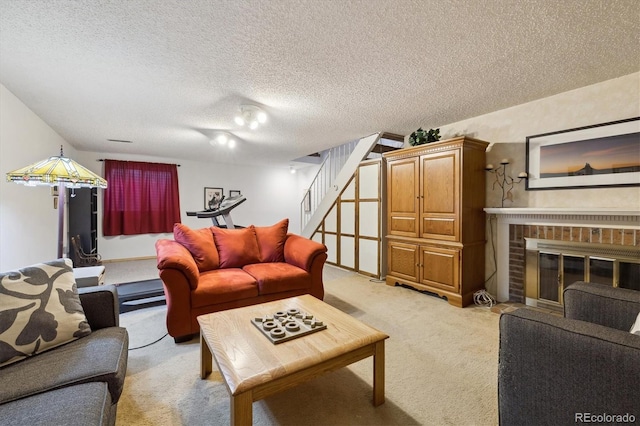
x=271 y=241
x=278 y=277
x=99 y=357
x=85 y=404
x=200 y=244
x=236 y=247
x=39 y=310
x=223 y=285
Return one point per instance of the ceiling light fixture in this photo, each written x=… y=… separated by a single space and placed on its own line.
x=251 y=116
x=292 y=170
x=223 y=139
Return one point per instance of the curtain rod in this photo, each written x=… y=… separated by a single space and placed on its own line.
x=103 y=159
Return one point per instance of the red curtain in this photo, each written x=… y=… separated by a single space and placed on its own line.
x=141 y=198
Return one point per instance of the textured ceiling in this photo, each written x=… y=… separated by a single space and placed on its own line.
x=164 y=74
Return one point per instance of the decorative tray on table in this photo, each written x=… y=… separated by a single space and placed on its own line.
x=287 y=325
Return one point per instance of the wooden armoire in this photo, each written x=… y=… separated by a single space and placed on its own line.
x=435 y=218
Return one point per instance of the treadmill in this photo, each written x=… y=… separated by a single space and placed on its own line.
x=223 y=210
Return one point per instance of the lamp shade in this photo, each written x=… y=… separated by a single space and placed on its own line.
x=55 y=171
x=61 y=171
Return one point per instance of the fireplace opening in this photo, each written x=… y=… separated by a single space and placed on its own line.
x=551 y=266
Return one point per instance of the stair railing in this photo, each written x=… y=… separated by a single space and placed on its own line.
x=331 y=167
x=334 y=159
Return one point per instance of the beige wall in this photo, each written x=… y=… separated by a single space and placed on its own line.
x=507 y=129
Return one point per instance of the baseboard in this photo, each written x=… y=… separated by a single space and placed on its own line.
x=128 y=259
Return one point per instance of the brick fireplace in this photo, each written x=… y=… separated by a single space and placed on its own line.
x=595 y=226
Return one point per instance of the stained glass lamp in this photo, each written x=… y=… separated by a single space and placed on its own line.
x=57 y=171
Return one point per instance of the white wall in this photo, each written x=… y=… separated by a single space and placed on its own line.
x=272 y=194
x=508 y=128
x=29 y=224
x=28 y=221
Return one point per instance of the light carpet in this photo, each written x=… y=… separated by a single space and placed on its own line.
x=441 y=369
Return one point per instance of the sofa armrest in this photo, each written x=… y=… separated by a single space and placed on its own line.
x=173 y=255
x=602 y=304
x=180 y=275
x=100 y=305
x=551 y=368
x=300 y=251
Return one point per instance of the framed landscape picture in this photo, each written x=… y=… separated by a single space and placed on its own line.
x=234 y=193
x=212 y=198
x=606 y=154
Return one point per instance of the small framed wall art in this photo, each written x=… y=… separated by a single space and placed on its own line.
x=212 y=197
x=601 y=155
x=234 y=193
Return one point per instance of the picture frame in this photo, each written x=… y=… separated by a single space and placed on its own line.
x=234 y=193
x=212 y=197
x=600 y=155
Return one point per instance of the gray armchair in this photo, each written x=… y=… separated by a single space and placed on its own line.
x=556 y=371
x=78 y=383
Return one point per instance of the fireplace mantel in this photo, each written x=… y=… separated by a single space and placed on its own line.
x=566 y=215
x=605 y=217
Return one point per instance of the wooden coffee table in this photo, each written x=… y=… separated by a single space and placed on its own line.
x=254 y=368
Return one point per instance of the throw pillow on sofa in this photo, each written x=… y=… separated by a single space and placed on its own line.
x=271 y=241
x=39 y=310
x=200 y=244
x=236 y=247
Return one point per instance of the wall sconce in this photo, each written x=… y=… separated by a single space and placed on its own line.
x=223 y=139
x=503 y=180
x=250 y=115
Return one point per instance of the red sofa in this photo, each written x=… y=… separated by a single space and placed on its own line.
x=213 y=269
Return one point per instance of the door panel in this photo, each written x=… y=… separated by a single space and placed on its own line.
x=368 y=255
x=440 y=201
x=439 y=226
x=440 y=267
x=403 y=260
x=402 y=193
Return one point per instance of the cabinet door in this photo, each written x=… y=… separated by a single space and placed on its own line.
x=403 y=260
x=440 y=197
x=402 y=192
x=440 y=267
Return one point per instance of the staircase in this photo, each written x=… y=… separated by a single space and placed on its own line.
x=339 y=165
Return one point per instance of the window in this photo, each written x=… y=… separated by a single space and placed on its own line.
x=141 y=198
